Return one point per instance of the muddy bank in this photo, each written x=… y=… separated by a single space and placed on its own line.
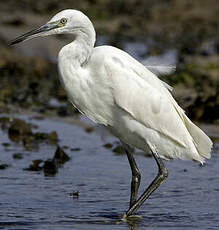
x=29 y=74
x=196 y=87
x=31 y=83
x=196 y=19
x=185 y=24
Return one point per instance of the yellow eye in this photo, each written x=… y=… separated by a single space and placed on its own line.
x=63 y=21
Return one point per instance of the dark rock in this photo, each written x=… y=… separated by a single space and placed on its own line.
x=51 y=138
x=18 y=156
x=40 y=136
x=18 y=130
x=4 y=119
x=119 y=149
x=28 y=142
x=6 y=144
x=108 y=145
x=60 y=156
x=5 y=122
x=50 y=167
x=21 y=131
x=75 y=149
x=147 y=154
x=89 y=129
x=74 y=194
x=35 y=166
x=62 y=111
x=3 y=166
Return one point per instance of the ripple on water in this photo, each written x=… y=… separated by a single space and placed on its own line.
x=28 y=200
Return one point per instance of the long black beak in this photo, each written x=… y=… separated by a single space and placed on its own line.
x=34 y=33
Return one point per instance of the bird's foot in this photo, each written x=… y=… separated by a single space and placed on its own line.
x=132 y=217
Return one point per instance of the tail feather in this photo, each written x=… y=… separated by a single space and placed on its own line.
x=202 y=142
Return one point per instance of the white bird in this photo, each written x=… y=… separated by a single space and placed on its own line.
x=115 y=90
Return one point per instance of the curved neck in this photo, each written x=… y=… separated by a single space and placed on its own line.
x=84 y=42
x=79 y=50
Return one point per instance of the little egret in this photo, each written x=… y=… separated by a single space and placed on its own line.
x=113 y=89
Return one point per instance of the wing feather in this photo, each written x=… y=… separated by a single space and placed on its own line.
x=145 y=98
x=148 y=101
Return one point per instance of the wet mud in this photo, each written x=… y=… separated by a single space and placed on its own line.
x=28 y=71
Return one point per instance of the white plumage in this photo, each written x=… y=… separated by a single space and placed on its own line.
x=113 y=89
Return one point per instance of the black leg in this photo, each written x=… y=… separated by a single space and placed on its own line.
x=159 y=179
x=136 y=176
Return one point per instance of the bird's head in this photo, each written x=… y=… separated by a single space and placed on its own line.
x=65 y=22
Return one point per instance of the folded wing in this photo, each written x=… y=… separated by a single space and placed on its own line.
x=148 y=100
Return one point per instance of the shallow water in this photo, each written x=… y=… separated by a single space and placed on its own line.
x=29 y=200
